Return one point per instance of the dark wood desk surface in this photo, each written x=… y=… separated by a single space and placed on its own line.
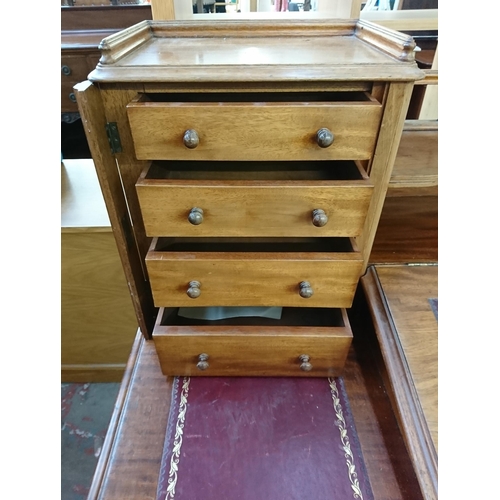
x=407 y=332
x=130 y=461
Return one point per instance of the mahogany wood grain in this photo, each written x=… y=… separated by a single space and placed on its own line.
x=98 y=17
x=252 y=350
x=398 y=299
x=253 y=204
x=253 y=278
x=129 y=464
x=407 y=231
x=79 y=68
x=388 y=464
x=93 y=117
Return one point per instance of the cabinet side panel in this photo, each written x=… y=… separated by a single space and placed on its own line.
x=391 y=128
x=94 y=121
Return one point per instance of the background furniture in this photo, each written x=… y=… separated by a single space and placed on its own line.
x=98 y=323
x=82 y=29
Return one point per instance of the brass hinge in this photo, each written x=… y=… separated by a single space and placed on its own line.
x=114 y=137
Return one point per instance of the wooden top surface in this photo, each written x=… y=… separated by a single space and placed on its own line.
x=278 y=50
x=82 y=202
x=408 y=290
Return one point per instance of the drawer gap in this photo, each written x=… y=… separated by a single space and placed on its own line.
x=254 y=245
x=290 y=316
x=256 y=97
x=256 y=170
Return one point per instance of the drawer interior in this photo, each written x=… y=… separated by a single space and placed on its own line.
x=254 y=245
x=290 y=316
x=256 y=97
x=256 y=170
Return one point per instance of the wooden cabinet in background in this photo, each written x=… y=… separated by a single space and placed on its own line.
x=82 y=29
x=98 y=323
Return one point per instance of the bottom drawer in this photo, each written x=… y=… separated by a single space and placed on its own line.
x=305 y=342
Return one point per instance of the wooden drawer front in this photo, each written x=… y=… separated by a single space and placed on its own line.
x=253 y=131
x=253 y=278
x=74 y=69
x=252 y=350
x=254 y=209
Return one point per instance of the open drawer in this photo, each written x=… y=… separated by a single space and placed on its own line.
x=301 y=272
x=297 y=344
x=187 y=198
x=261 y=126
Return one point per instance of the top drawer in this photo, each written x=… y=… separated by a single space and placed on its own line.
x=317 y=126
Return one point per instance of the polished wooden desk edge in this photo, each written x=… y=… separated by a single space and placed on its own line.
x=402 y=391
x=109 y=441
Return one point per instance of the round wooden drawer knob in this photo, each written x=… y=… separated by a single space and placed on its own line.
x=319 y=218
x=305 y=290
x=194 y=289
x=195 y=216
x=202 y=362
x=305 y=366
x=66 y=70
x=191 y=139
x=324 y=138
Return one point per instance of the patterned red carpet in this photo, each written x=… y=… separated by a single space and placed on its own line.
x=85 y=413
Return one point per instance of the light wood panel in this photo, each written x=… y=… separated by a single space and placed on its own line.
x=404 y=20
x=97 y=318
x=82 y=204
x=396 y=105
x=415 y=171
x=253 y=350
x=249 y=208
x=270 y=131
x=253 y=279
x=91 y=109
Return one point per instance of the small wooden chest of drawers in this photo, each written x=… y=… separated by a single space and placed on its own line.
x=248 y=167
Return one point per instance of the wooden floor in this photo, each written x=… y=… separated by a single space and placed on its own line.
x=407 y=331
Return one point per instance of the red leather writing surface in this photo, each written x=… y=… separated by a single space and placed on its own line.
x=261 y=438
